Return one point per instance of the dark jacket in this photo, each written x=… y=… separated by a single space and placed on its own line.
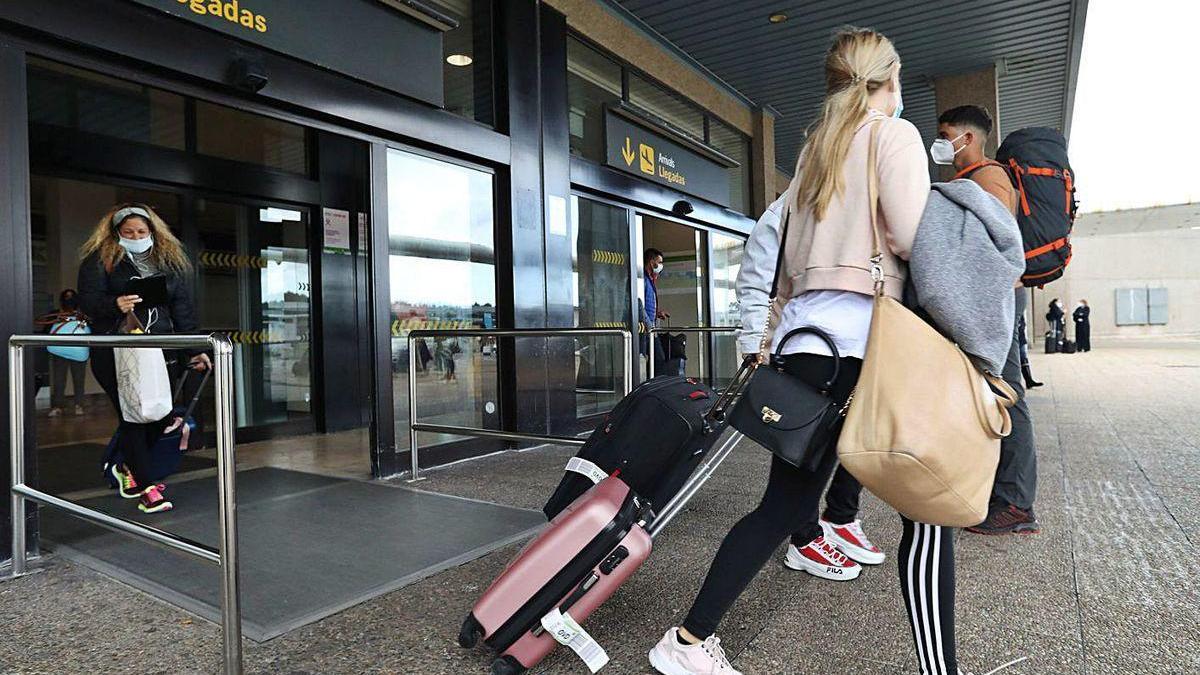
x=99 y=289
x=1082 y=314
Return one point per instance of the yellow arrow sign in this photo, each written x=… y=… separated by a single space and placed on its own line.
x=627 y=152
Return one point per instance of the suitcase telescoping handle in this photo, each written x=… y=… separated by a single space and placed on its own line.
x=730 y=394
x=199 y=390
x=697 y=480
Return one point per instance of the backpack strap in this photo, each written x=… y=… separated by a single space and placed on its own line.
x=967 y=172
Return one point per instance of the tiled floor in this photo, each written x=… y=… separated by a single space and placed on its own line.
x=1112 y=585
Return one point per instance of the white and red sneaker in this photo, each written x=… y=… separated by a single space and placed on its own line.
x=851 y=540
x=821 y=558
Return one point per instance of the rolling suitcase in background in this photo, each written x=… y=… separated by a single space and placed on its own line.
x=1068 y=346
x=167 y=452
x=1051 y=343
x=587 y=552
x=654 y=437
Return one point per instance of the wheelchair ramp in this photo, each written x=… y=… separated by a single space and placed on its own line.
x=310 y=546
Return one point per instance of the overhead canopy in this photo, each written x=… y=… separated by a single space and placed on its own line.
x=1034 y=43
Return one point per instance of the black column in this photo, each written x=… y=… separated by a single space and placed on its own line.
x=521 y=204
x=384 y=460
x=556 y=176
x=16 y=305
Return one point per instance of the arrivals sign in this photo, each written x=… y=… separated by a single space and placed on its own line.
x=361 y=38
x=643 y=153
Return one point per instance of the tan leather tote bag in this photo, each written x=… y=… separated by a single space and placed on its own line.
x=923 y=429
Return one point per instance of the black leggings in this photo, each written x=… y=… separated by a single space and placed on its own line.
x=790 y=500
x=134 y=440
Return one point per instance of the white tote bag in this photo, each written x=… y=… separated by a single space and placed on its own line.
x=143 y=385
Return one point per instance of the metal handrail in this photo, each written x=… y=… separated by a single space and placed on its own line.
x=226 y=557
x=414 y=427
x=685 y=329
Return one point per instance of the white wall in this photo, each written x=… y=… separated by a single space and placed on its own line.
x=1165 y=259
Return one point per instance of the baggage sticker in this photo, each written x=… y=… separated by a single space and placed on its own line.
x=567 y=631
x=589 y=469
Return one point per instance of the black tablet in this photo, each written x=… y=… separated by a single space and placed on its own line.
x=152 y=290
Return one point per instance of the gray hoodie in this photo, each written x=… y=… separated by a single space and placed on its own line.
x=965 y=262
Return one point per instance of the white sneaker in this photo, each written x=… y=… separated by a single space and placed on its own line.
x=669 y=657
x=853 y=542
x=821 y=558
x=54 y=412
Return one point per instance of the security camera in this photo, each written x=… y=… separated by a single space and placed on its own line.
x=249 y=75
x=682 y=207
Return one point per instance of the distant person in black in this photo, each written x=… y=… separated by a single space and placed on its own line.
x=1055 y=318
x=130 y=241
x=1083 y=327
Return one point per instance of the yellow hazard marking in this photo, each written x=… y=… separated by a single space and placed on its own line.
x=221 y=259
x=400 y=327
x=263 y=337
x=608 y=257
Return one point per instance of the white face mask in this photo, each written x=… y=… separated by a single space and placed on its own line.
x=658 y=268
x=137 y=245
x=942 y=151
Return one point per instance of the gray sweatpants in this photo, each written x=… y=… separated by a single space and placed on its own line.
x=1016 y=476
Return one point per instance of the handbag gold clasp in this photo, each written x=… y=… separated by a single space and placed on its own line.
x=770 y=416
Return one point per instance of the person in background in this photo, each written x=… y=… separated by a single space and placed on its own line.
x=1054 y=317
x=1083 y=326
x=651 y=312
x=962 y=136
x=1026 y=371
x=129 y=241
x=68 y=310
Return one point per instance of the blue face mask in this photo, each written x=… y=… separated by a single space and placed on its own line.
x=137 y=245
x=899 y=103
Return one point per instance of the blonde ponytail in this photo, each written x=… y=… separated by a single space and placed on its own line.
x=859 y=62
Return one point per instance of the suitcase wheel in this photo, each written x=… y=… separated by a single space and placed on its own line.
x=507 y=665
x=469 y=634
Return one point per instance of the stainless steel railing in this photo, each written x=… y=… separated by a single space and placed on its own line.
x=414 y=426
x=226 y=557
x=685 y=329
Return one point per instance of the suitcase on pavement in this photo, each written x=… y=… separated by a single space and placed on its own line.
x=1051 y=344
x=654 y=437
x=582 y=557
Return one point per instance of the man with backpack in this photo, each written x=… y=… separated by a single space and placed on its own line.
x=962 y=134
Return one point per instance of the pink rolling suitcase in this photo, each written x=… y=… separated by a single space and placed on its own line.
x=575 y=564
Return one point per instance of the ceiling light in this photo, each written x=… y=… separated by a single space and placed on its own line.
x=459 y=60
x=777 y=17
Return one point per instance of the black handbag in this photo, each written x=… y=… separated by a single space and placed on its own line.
x=783 y=413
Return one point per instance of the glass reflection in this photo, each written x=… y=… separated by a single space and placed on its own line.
x=726 y=261
x=602 y=299
x=442 y=270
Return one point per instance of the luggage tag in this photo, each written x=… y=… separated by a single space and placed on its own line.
x=567 y=631
x=589 y=469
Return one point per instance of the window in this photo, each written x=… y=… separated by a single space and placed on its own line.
x=592 y=82
x=736 y=146
x=670 y=108
x=441 y=223
x=1141 y=306
x=254 y=139
x=466 y=60
x=726 y=262
x=73 y=98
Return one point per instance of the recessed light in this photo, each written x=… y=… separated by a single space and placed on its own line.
x=777 y=17
x=459 y=60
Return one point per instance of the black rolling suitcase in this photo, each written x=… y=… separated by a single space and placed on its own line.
x=1068 y=347
x=1051 y=344
x=653 y=439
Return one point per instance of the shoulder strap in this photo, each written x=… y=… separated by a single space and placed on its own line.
x=783 y=231
x=873 y=198
x=967 y=172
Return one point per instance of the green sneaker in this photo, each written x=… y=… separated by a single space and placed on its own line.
x=126 y=485
x=152 y=501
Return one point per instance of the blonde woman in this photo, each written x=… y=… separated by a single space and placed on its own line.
x=827 y=282
x=130 y=241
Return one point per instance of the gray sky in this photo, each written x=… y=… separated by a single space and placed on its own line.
x=1134 y=141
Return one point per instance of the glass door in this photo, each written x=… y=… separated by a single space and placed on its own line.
x=678 y=294
x=253 y=282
